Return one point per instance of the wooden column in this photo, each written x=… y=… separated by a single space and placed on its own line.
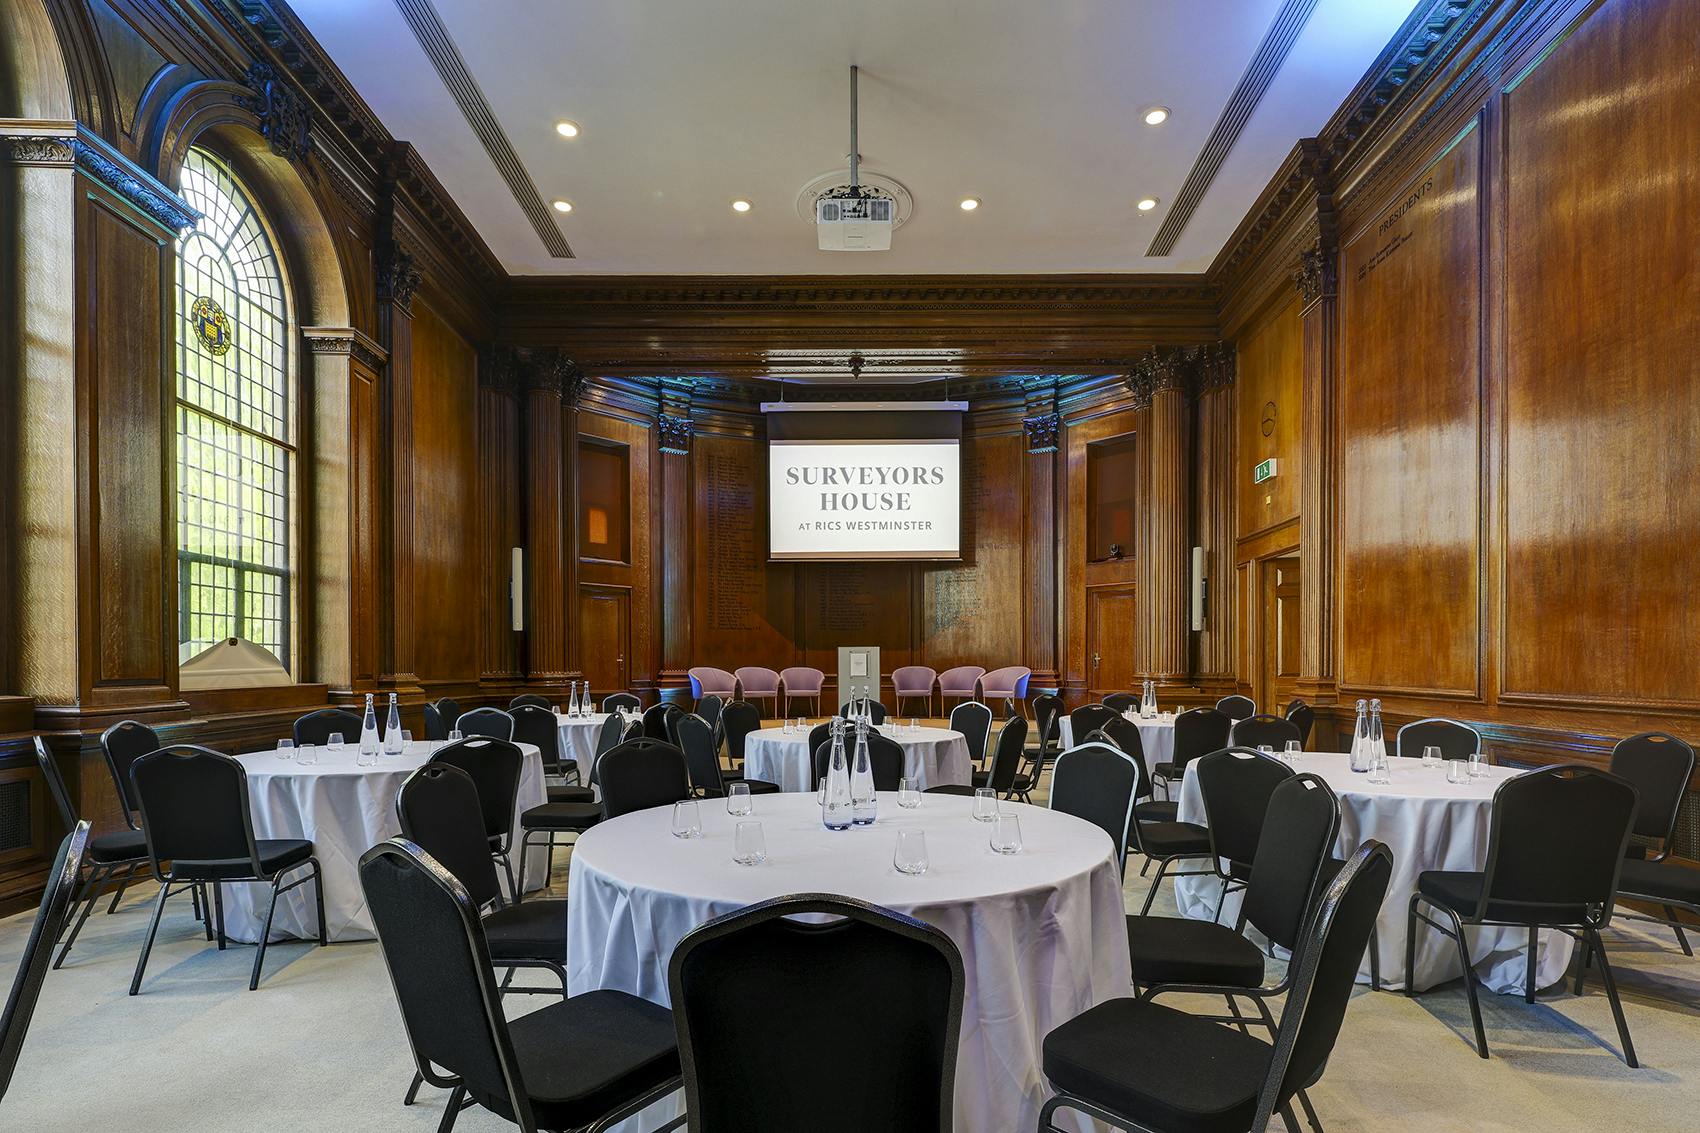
x=501 y=455
x=1043 y=428
x=673 y=436
x=1316 y=277
x=547 y=517
x=1216 y=506
x=1161 y=380
x=397 y=280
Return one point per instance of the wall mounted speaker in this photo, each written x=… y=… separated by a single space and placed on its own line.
x=1200 y=580
x=516 y=589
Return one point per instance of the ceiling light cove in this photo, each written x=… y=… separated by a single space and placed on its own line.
x=741 y=205
x=1146 y=204
x=969 y=204
x=563 y=206
x=566 y=129
x=1156 y=115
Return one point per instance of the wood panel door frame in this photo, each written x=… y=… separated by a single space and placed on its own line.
x=606 y=591
x=1096 y=685
x=1254 y=560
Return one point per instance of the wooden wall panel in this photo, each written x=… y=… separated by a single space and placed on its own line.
x=128 y=512
x=448 y=560
x=1410 y=408
x=743 y=607
x=1602 y=379
x=972 y=612
x=596 y=576
x=501 y=530
x=1269 y=379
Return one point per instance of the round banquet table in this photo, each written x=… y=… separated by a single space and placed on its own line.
x=578 y=740
x=1156 y=736
x=1428 y=823
x=1043 y=933
x=344 y=810
x=934 y=756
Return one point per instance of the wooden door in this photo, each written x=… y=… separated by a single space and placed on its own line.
x=1278 y=669
x=1109 y=640
x=605 y=628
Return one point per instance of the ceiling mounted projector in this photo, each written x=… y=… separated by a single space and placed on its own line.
x=854 y=217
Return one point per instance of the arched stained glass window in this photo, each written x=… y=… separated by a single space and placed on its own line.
x=235 y=422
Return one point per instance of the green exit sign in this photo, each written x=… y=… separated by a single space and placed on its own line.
x=1265 y=470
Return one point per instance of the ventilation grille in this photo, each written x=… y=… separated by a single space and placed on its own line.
x=15 y=815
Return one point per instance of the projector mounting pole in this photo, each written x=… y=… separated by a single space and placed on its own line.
x=855 y=155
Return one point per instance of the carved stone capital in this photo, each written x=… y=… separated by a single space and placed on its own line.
x=1216 y=367
x=345 y=340
x=674 y=433
x=1042 y=432
x=498 y=370
x=398 y=279
x=282 y=110
x=1315 y=274
x=1161 y=369
x=551 y=370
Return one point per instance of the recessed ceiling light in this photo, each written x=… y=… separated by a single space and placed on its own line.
x=1146 y=204
x=566 y=129
x=1157 y=115
x=567 y=206
x=969 y=204
x=740 y=205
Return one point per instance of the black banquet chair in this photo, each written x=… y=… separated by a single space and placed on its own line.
x=1098 y=782
x=974 y=721
x=449 y=709
x=435 y=729
x=1235 y=785
x=195 y=812
x=1555 y=844
x=737 y=720
x=318 y=727
x=1119 y=702
x=535 y=700
x=1198 y=731
x=885 y=759
x=538 y=727
x=702 y=759
x=1237 y=707
x=113 y=857
x=1455 y=740
x=1089 y=718
x=870 y=988
x=640 y=774
x=876 y=711
x=495 y=768
x=1661 y=767
x=50 y=919
x=1140 y=1065
x=582 y=1063
x=615 y=701
x=491 y=723
x=1303 y=717
x=655 y=719
x=1261 y=730
x=1006 y=759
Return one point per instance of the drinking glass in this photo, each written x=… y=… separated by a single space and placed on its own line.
x=749 y=845
x=456 y=734
x=1293 y=749
x=1266 y=749
x=914 y=726
x=406 y=736
x=1379 y=772
x=802 y=724
x=1006 y=834
x=1457 y=771
x=789 y=727
x=1478 y=765
x=334 y=743
x=738 y=803
x=908 y=794
x=1431 y=756
x=911 y=855
x=985 y=804
x=687 y=820
x=286 y=749
x=307 y=755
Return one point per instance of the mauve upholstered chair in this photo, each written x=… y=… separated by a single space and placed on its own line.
x=1008 y=684
x=912 y=681
x=709 y=681
x=758 y=683
x=801 y=683
x=960 y=683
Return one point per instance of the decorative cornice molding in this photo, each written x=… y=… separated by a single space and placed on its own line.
x=398 y=279
x=97 y=160
x=36 y=149
x=284 y=118
x=674 y=434
x=1316 y=275
x=346 y=340
x=1042 y=432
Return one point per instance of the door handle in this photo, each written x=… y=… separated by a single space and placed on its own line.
x=1095 y=660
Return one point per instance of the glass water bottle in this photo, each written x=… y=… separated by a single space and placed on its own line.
x=864 y=806
x=1377 y=742
x=1360 y=739
x=369 y=729
x=838 y=812
x=393 y=743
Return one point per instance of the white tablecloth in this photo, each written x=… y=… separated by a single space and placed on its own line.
x=1428 y=823
x=934 y=756
x=1156 y=736
x=345 y=810
x=578 y=741
x=1043 y=934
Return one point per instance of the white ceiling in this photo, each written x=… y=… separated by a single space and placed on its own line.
x=686 y=104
